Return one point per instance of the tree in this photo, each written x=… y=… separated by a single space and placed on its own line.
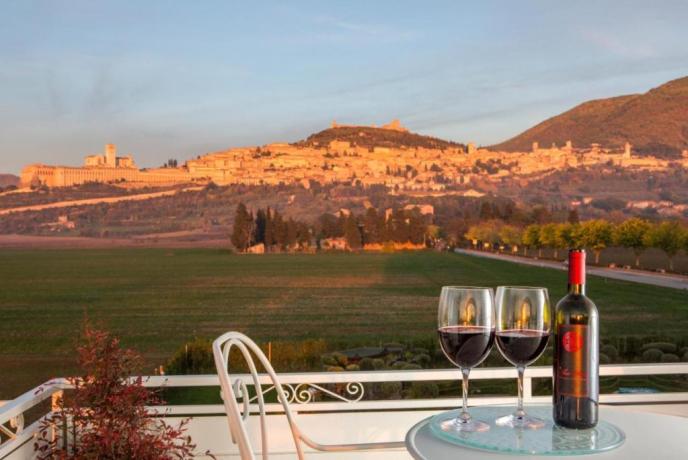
x=485 y=232
x=279 y=230
x=511 y=236
x=398 y=228
x=434 y=233
x=269 y=230
x=667 y=236
x=259 y=235
x=291 y=234
x=352 y=233
x=597 y=235
x=548 y=237
x=105 y=416
x=330 y=226
x=473 y=235
x=631 y=234
x=531 y=238
x=416 y=227
x=373 y=226
x=567 y=236
x=573 y=217
x=243 y=228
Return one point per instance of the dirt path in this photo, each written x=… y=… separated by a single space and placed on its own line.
x=91 y=201
x=635 y=276
x=79 y=242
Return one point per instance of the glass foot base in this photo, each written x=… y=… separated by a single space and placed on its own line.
x=521 y=420
x=460 y=425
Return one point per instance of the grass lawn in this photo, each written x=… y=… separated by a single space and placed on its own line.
x=157 y=299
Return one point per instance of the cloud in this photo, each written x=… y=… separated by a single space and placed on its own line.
x=616 y=45
x=341 y=29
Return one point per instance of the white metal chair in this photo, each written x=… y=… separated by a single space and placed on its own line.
x=237 y=418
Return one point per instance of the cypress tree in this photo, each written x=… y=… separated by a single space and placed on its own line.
x=241 y=233
x=269 y=230
x=260 y=227
x=352 y=233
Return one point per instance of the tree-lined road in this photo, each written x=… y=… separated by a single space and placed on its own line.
x=635 y=276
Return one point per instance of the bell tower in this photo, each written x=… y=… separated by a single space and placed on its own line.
x=111 y=155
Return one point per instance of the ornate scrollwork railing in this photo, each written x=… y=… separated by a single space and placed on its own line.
x=304 y=393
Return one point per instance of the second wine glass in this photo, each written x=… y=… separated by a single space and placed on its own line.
x=522 y=332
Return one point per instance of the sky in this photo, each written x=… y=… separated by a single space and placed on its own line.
x=166 y=79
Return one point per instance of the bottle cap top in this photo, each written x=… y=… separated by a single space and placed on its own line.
x=577 y=266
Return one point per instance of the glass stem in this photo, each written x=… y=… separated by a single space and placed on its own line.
x=519 y=410
x=465 y=416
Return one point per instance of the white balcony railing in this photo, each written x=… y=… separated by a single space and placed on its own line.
x=307 y=391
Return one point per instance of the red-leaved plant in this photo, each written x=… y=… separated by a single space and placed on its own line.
x=105 y=416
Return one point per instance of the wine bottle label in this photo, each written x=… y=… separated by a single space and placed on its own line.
x=573 y=362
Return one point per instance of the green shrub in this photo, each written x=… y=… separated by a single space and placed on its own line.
x=334 y=369
x=195 y=357
x=685 y=357
x=664 y=347
x=424 y=390
x=387 y=390
x=328 y=360
x=669 y=358
x=399 y=365
x=411 y=367
x=604 y=359
x=353 y=367
x=341 y=359
x=610 y=351
x=422 y=359
x=378 y=364
x=366 y=364
x=653 y=355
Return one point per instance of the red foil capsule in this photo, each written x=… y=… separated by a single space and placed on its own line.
x=577 y=266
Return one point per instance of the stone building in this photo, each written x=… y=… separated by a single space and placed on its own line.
x=105 y=168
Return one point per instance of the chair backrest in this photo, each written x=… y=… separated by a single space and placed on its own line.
x=232 y=391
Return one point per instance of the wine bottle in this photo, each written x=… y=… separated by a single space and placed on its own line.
x=576 y=352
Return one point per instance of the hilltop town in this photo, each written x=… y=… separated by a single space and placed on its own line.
x=389 y=155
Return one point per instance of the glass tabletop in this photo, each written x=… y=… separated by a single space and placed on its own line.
x=549 y=440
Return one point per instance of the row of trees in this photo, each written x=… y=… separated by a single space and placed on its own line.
x=272 y=229
x=269 y=228
x=635 y=234
x=376 y=227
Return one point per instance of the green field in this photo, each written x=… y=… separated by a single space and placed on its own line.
x=156 y=299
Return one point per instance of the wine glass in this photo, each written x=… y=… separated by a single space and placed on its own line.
x=466 y=327
x=523 y=329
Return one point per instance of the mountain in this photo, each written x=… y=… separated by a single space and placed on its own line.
x=368 y=136
x=655 y=122
x=8 y=179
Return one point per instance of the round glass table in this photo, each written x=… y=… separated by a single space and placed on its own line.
x=648 y=436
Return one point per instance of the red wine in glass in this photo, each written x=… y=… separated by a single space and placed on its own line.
x=465 y=326
x=466 y=346
x=522 y=332
x=522 y=346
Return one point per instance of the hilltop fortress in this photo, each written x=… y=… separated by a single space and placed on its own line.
x=401 y=161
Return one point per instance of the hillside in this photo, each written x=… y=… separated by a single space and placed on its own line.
x=8 y=179
x=655 y=122
x=366 y=136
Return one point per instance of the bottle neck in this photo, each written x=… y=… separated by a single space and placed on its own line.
x=577 y=288
x=577 y=272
